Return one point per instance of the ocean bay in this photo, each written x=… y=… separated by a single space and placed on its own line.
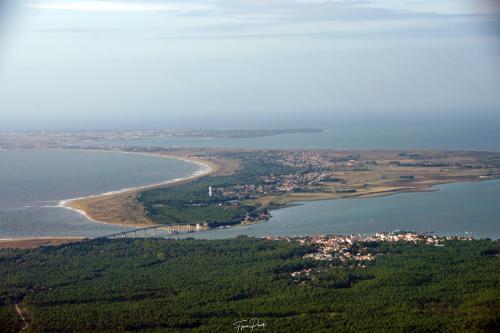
x=33 y=182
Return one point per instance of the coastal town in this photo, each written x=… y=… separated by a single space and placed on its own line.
x=345 y=248
x=338 y=172
x=243 y=186
x=249 y=166
x=356 y=250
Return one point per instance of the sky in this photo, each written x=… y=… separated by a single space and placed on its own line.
x=77 y=64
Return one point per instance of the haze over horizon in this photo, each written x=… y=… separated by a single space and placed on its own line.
x=247 y=64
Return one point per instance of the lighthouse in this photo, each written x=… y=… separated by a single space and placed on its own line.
x=210 y=191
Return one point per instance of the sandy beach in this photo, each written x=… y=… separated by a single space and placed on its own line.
x=29 y=243
x=122 y=208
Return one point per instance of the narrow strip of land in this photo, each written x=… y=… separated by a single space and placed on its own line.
x=32 y=242
x=124 y=209
x=243 y=185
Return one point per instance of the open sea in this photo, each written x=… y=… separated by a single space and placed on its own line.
x=32 y=182
x=472 y=131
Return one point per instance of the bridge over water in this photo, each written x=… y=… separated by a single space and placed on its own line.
x=152 y=231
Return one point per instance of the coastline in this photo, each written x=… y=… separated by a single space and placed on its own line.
x=34 y=242
x=289 y=200
x=121 y=208
x=127 y=211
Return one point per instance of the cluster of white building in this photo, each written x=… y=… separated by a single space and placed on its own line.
x=330 y=247
x=353 y=248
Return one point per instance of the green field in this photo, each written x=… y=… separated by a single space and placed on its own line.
x=205 y=286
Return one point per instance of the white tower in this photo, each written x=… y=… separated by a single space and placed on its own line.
x=210 y=191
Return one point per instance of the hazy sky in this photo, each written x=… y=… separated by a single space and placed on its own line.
x=135 y=64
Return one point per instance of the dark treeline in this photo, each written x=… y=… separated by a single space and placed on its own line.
x=205 y=286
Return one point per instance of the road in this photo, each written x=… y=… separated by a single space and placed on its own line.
x=20 y=313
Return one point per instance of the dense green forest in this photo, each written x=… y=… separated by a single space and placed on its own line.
x=157 y=285
x=190 y=203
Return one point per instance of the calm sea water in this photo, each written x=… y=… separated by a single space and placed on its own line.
x=470 y=131
x=32 y=182
x=454 y=209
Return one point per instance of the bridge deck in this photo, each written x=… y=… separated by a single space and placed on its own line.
x=169 y=228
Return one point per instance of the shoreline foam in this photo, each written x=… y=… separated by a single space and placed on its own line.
x=206 y=169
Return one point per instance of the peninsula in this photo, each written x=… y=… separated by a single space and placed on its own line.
x=34 y=139
x=122 y=207
x=244 y=185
